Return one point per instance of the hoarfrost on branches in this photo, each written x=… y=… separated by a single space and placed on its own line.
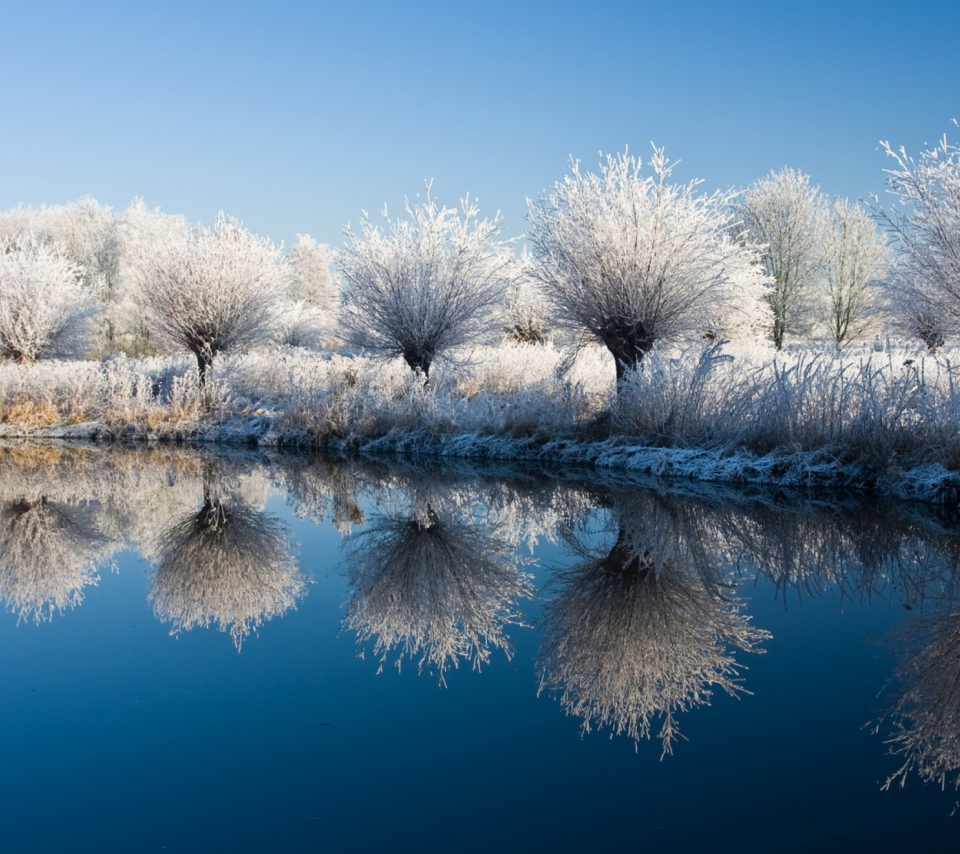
x=425 y=284
x=524 y=316
x=45 y=305
x=856 y=257
x=790 y=220
x=634 y=261
x=138 y=234
x=923 y=292
x=215 y=292
x=309 y=308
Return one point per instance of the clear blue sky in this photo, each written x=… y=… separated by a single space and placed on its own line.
x=295 y=116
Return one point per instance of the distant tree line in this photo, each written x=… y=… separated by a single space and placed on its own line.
x=628 y=259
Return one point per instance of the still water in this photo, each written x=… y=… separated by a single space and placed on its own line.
x=206 y=652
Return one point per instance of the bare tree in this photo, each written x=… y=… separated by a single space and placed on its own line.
x=633 y=260
x=45 y=305
x=425 y=285
x=923 y=292
x=215 y=292
x=789 y=219
x=856 y=256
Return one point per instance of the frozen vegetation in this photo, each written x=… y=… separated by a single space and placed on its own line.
x=884 y=419
x=772 y=335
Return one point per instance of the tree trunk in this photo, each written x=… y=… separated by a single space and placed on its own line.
x=204 y=363
x=419 y=363
x=628 y=346
x=779 y=328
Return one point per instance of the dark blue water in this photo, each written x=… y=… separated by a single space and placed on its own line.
x=120 y=736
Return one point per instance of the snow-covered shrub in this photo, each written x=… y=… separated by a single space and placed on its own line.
x=45 y=305
x=923 y=291
x=215 y=292
x=633 y=261
x=425 y=284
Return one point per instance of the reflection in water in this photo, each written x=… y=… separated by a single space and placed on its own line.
x=48 y=553
x=926 y=716
x=436 y=586
x=226 y=564
x=857 y=547
x=641 y=630
x=635 y=633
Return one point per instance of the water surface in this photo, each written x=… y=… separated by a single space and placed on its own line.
x=208 y=652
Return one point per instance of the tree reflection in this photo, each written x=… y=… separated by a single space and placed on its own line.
x=436 y=586
x=49 y=551
x=926 y=716
x=643 y=629
x=228 y=564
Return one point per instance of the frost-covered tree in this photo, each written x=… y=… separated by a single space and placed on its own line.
x=214 y=292
x=110 y=250
x=789 y=219
x=423 y=285
x=45 y=304
x=138 y=234
x=525 y=317
x=308 y=312
x=855 y=257
x=923 y=291
x=636 y=260
x=81 y=229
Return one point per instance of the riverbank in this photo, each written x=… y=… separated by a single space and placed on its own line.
x=884 y=421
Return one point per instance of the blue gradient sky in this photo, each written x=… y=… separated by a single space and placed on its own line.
x=295 y=116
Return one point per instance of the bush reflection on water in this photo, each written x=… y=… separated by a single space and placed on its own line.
x=645 y=621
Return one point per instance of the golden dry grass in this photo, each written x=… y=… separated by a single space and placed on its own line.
x=30 y=414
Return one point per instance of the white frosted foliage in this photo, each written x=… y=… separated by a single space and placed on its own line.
x=45 y=304
x=423 y=285
x=634 y=260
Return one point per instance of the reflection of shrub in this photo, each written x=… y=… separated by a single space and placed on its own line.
x=48 y=554
x=643 y=630
x=437 y=589
x=229 y=565
x=927 y=714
